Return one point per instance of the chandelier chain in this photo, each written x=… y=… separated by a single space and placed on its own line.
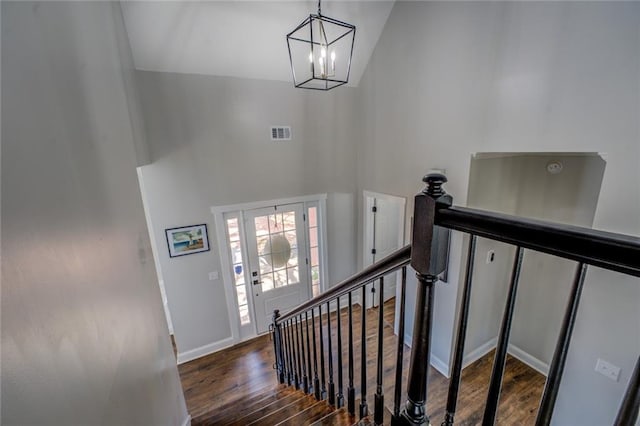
x=319 y=14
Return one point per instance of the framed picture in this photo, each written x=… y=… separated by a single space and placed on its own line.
x=187 y=240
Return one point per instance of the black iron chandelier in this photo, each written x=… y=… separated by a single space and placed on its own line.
x=320 y=51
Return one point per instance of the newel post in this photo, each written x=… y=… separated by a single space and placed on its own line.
x=429 y=252
x=277 y=346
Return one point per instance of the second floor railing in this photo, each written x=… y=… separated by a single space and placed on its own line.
x=298 y=350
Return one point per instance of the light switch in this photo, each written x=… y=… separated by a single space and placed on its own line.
x=213 y=276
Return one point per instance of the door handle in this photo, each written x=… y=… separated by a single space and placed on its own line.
x=256 y=282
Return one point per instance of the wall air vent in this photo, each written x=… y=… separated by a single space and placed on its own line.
x=280 y=133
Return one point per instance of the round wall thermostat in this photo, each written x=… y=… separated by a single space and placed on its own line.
x=554 y=167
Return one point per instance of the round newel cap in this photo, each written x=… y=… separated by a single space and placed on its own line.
x=434 y=183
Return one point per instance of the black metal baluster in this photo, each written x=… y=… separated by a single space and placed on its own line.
x=339 y=395
x=306 y=326
x=378 y=412
x=296 y=342
x=316 y=380
x=556 y=369
x=285 y=335
x=628 y=412
x=294 y=355
x=332 y=386
x=493 y=395
x=323 y=390
x=454 y=383
x=364 y=409
x=277 y=346
x=305 y=379
x=395 y=419
x=351 y=392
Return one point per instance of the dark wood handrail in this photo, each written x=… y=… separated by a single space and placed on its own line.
x=608 y=250
x=394 y=261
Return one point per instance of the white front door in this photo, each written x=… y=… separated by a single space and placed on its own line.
x=277 y=260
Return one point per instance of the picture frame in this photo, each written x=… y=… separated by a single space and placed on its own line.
x=186 y=240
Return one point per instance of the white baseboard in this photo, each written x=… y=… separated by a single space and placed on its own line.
x=440 y=365
x=533 y=362
x=479 y=352
x=436 y=362
x=204 y=350
x=187 y=421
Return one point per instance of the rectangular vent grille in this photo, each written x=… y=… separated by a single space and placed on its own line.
x=280 y=133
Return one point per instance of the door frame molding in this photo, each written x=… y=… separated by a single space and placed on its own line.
x=218 y=213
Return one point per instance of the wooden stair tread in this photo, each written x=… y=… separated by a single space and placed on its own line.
x=340 y=417
x=246 y=418
x=310 y=415
x=283 y=413
x=249 y=404
x=368 y=421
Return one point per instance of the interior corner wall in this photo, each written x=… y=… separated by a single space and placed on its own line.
x=448 y=79
x=129 y=80
x=209 y=139
x=84 y=339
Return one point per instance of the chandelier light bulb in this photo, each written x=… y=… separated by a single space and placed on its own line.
x=333 y=62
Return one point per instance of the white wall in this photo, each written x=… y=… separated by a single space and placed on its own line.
x=84 y=339
x=210 y=143
x=451 y=78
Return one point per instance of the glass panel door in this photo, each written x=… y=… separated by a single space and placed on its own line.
x=276 y=245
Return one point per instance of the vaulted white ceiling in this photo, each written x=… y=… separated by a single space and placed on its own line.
x=243 y=39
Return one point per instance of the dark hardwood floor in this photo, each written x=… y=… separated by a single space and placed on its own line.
x=245 y=373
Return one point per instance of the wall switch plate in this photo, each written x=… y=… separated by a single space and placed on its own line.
x=608 y=370
x=213 y=276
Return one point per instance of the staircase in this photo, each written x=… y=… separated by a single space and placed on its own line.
x=283 y=405
x=329 y=351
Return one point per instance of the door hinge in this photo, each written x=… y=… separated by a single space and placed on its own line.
x=374 y=209
x=304 y=217
x=307 y=260
x=373 y=251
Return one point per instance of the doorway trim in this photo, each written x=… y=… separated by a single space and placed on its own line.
x=219 y=212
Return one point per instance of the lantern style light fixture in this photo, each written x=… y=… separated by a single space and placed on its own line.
x=320 y=51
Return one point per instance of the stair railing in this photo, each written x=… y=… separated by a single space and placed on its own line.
x=298 y=318
x=434 y=218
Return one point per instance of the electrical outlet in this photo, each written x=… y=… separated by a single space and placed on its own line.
x=213 y=276
x=608 y=370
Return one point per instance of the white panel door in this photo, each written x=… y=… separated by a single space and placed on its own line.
x=277 y=261
x=384 y=235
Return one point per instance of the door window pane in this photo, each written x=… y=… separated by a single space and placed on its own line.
x=267 y=282
x=289 y=221
x=314 y=250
